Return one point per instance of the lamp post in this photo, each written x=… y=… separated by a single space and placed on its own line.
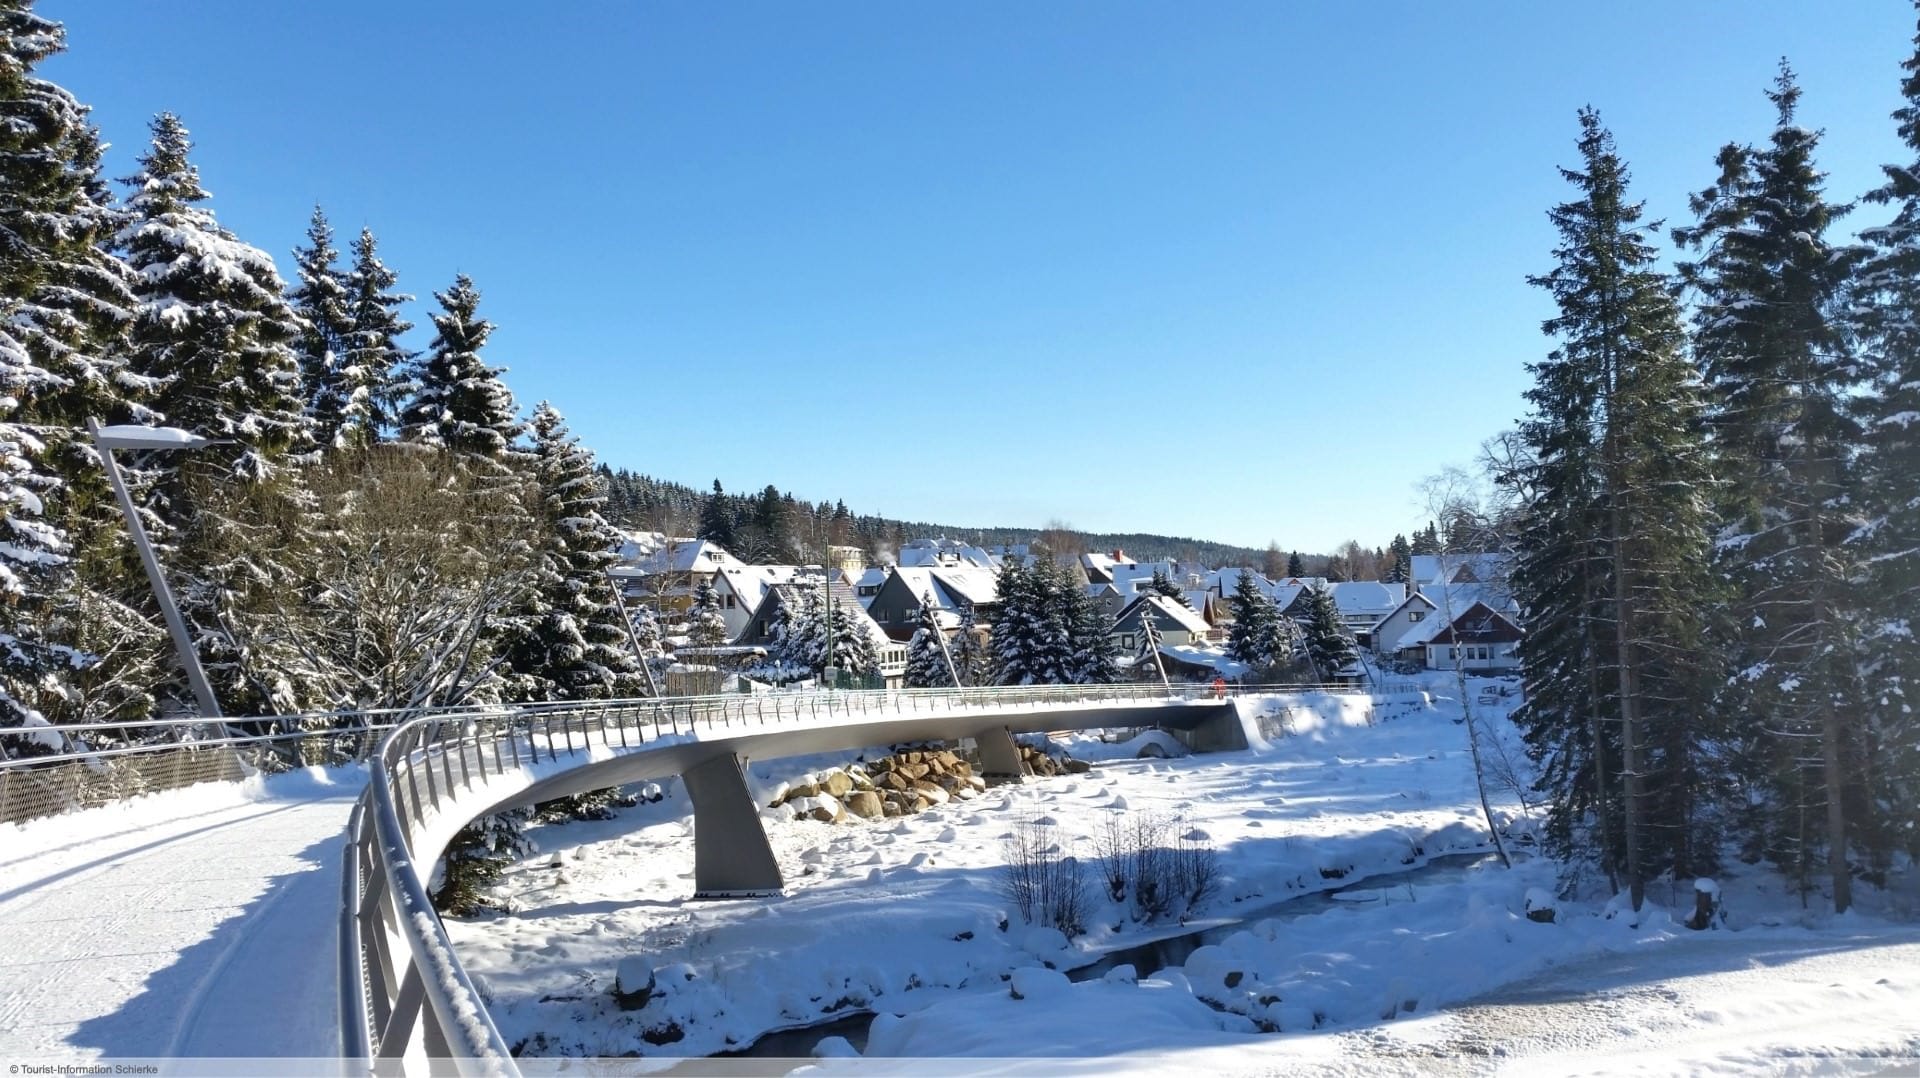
x=108 y=439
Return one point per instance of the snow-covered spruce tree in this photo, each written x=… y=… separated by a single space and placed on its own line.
x=927 y=666
x=799 y=636
x=1781 y=374
x=1886 y=299
x=1031 y=641
x=1089 y=636
x=370 y=381
x=971 y=654
x=855 y=651
x=320 y=300
x=1255 y=621
x=65 y=302
x=475 y=860
x=213 y=332
x=575 y=648
x=459 y=402
x=1295 y=567
x=707 y=627
x=1325 y=639
x=1616 y=540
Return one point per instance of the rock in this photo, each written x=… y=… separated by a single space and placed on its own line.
x=861 y=780
x=1078 y=767
x=805 y=789
x=919 y=804
x=633 y=983
x=891 y=809
x=836 y=784
x=894 y=780
x=1540 y=906
x=948 y=782
x=1121 y=974
x=933 y=794
x=884 y=763
x=822 y=807
x=979 y=784
x=914 y=771
x=866 y=804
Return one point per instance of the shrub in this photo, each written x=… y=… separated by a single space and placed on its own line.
x=1046 y=889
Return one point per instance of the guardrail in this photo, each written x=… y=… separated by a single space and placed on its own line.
x=398 y=970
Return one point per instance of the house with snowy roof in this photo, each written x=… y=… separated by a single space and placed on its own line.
x=950 y=589
x=1178 y=626
x=1472 y=624
x=944 y=553
x=667 y=568
x=1364 y=604
x=1431 y=570
x=765 y=621
x=742 y=588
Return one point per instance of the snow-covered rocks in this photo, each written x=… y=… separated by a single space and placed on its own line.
x=900 y=784
x=1034 y=982
x=1541 y=906
x=633 y=983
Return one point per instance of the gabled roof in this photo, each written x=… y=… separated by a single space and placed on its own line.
x=932 y=553
x=1478 y=624
x=1167 y=613
x=683 y=556
x=750 y=582
x=951 y=587
x=1461 y=600
x=1355 y=597
x=1459 y=568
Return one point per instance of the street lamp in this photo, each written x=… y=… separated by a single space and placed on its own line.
x=131 y=436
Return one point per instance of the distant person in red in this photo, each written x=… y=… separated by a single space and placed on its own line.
x=1219 y=688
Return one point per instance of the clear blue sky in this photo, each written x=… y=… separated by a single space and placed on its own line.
x=1241 y=271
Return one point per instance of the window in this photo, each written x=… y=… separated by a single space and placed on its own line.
x=1416 y=615
x=730 y=602
x=881 y=616
x=1126 y=641
x=1453 y=653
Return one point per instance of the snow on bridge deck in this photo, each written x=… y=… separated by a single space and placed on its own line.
x=198 y=922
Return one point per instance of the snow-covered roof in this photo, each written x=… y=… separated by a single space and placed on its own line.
x=652 y=552
x=1455 y=601
x=1369 y=597
x=1459 y=568
x=1227 y=666
x=1167 y=614
x=751 y=582
x=951 y=586
x=1130 y=576
x=931 y=553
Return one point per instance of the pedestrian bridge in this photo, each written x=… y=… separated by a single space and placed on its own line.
x=403 y=993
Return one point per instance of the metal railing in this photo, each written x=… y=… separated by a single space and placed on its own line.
x=398 y=968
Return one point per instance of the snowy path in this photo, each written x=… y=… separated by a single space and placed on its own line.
x=196 y=923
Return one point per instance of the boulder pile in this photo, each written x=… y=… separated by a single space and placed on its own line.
x=897 y=785
x=906 y=782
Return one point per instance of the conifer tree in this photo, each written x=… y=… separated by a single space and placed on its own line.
x=926 y=658
x=716 y=519
x=1401 y=569
x=1615 y=564
x=213 y=332
x=1254 y=622
x=65 y=305
x=1295 y=567
x=971 y=660
x=320 y=300
x=1887 y=295
x=1781 y=374
x=1324 y=638
x=1161 y=584
x=575 y=647
x=707 y=627
x=1089 y=636
x=1031 y=638
x=460 y=404
x=371 y=383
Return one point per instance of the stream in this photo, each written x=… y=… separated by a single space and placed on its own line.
x=1148 y=958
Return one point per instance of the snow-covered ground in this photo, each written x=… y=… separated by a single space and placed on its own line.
x=196 y=922
x=904 y=918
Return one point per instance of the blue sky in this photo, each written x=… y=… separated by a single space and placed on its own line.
x=1240 y=271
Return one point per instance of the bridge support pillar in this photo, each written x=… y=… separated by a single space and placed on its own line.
x=731 y=855
x=999 y=756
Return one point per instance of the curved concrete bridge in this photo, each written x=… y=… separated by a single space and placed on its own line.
x=403 y=993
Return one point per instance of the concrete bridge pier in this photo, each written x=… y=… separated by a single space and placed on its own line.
x=731 y=855
x=999 y=756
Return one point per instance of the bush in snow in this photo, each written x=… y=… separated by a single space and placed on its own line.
x=1044 y=887
x=1162 y=876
